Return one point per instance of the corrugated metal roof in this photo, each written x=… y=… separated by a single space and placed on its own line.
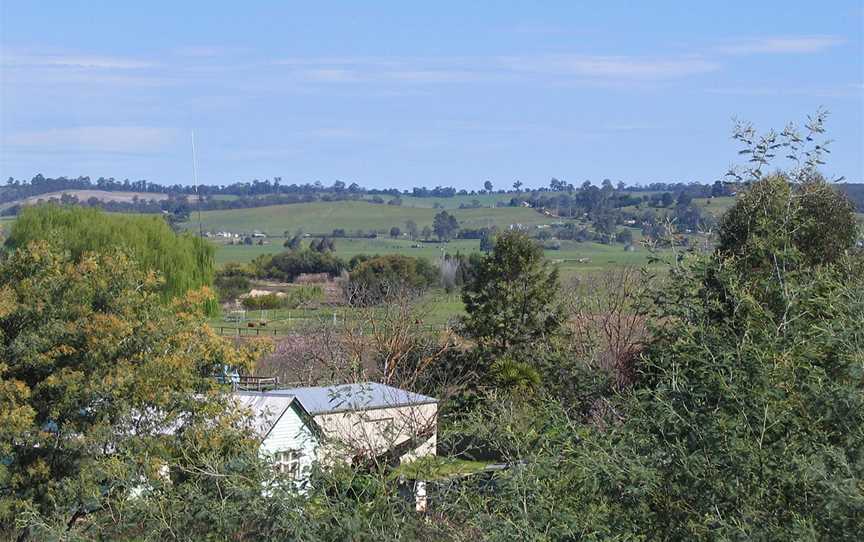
x=347 y=397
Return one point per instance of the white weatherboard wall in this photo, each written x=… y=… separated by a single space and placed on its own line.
x=374 y=431
x=291 y=433
x=283 y=427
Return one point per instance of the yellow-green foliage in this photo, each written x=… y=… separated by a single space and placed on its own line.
x=184 y=261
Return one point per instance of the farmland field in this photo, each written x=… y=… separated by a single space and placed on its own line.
x=323 y=217
x=573 y=257
x=485 y=200
x=438 y=309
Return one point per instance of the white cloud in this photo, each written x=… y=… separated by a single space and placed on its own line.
x=611 y=67
x=73 y=61
x=780 y=45
x=467 y=69
x=98 y=139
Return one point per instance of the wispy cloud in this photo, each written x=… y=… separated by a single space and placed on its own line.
x=384 y=69
x=11 y=58
x=780 y=45
x=98 y=139
x=611 y=67
x=468 y=69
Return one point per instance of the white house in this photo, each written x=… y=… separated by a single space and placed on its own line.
x=369 y=420
x=289 y=437
x=351 y=422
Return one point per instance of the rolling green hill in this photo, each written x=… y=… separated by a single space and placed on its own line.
x=486 y=200
x=324 y=217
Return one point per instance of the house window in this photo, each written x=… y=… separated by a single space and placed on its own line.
x=288 y=462
x=383 y=426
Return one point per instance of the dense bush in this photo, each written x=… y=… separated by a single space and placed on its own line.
x=264 y=302
x=375 y=279
x=287 y=266
x=292 y=299
x=232 y=281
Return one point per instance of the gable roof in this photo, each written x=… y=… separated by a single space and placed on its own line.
x=268 y=409
x=351 y=397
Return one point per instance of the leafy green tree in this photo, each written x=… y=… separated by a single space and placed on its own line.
x=184 y=261
x=624 y=236
x=445 y=226
x=411 y=228
x=287 y=266
x=381 y=277
x=104 y=390
x=818 y=223
x=512 y=301
x=666 y=199
x=684 y=198
x=232 y=281
x=745 y=424
x=293 y=243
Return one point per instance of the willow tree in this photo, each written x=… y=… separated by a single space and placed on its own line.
x=185 y=262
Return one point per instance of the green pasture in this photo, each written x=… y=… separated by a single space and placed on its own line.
x=324 y=217
x=573 y=258
x=485 y=200
x=437 y=309
x=715 y=206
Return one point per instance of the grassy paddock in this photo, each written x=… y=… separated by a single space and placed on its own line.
x=324 y=217
x=440 y=308
x=593 y=256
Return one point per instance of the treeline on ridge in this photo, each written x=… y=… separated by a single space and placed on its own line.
x=181 y=198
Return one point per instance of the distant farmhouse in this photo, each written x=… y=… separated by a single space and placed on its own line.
x=353 y=423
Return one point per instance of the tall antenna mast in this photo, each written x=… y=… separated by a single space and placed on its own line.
x=195 y=180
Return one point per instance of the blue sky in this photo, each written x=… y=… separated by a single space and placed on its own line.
x=406 y=94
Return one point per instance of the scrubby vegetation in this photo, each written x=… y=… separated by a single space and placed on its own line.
x=295 y=297
x=374 y=280
x=287 y=266
x=718 y=398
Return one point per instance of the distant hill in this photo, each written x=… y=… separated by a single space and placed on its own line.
x=101 y=195
x=855 y=192
x=323 y=217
